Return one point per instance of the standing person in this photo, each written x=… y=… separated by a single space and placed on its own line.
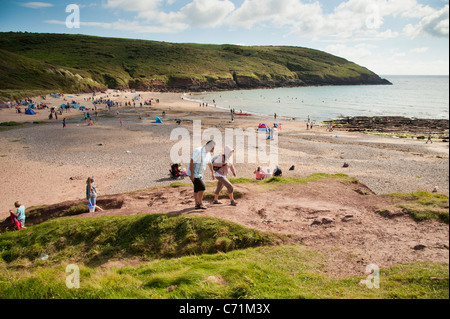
x=201 y=158
x=429 y=139
x=19 y=214
x=91 y=192
x=221 y=165
x=64 y=122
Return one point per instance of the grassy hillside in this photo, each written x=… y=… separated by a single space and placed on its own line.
x=183 y=257
x=19 y=73
x=126 y=63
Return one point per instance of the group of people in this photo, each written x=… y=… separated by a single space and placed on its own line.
x=261 y=174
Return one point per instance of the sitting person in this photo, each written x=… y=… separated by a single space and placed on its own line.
x=175 y=171
x=260 y=174
x=277 y=172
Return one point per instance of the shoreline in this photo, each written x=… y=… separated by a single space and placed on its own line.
x=46 y=164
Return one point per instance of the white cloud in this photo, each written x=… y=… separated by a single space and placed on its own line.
x=435 y=23
x=352 y=53
x=350 y=19
x=207 y=13
x=133 y=5
x=419 y=50
x=36 y=5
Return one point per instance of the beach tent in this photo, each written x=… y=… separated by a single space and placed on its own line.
x=263 y=127
x=158 y=120
x=30 y=112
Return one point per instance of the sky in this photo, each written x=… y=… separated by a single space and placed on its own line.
x=389 y=37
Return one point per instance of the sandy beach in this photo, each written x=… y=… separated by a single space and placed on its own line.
x=44 y=163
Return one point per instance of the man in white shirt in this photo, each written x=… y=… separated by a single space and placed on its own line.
x=201 y=158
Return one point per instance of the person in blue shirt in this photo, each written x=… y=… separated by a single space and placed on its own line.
x=20 y=213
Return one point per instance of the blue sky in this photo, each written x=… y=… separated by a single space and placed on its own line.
x=387 y=36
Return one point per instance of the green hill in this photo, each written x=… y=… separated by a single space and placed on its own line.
x=96 y=63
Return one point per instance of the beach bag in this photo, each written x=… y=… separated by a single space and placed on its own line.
x=16 y=222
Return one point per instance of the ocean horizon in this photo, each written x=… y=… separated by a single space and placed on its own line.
x=412 y=96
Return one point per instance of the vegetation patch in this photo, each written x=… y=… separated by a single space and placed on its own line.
x=272 y=272
x=11 y=123
x=423 y=205
x=96 y=240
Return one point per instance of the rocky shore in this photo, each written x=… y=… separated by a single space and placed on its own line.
x=421 y=128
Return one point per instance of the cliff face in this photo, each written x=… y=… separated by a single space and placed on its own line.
x=243 y=82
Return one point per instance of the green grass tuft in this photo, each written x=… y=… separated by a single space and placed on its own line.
x=95 y=240
x=423 y=206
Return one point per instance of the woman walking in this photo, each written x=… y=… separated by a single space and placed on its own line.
x=222 y=164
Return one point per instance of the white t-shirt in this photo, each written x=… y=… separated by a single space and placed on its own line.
x=201 y=158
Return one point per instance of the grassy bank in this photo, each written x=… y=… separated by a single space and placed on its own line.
x=281 y=272
x=96 y=240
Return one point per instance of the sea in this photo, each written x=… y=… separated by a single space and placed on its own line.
x=425 y=97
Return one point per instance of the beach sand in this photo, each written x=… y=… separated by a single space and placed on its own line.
x=43 y=164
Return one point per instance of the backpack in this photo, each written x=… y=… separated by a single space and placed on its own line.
x=215 y=158
x=16 y=222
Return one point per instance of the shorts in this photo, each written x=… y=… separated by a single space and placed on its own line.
x=224 y=182
x=199 y=185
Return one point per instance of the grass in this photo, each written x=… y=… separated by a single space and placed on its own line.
x=275 y=272
x=95 y=240
x=8 y=124
x=423 y=205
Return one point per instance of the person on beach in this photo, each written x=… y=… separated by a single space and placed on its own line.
x=19 y=214
x=91 y=192
x=260 y=174
x=201 y=158
x=221 y=165
x=277 y=172
x=429 y=139
x=64 y=122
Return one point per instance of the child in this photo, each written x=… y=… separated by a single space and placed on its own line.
x=20 y=213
